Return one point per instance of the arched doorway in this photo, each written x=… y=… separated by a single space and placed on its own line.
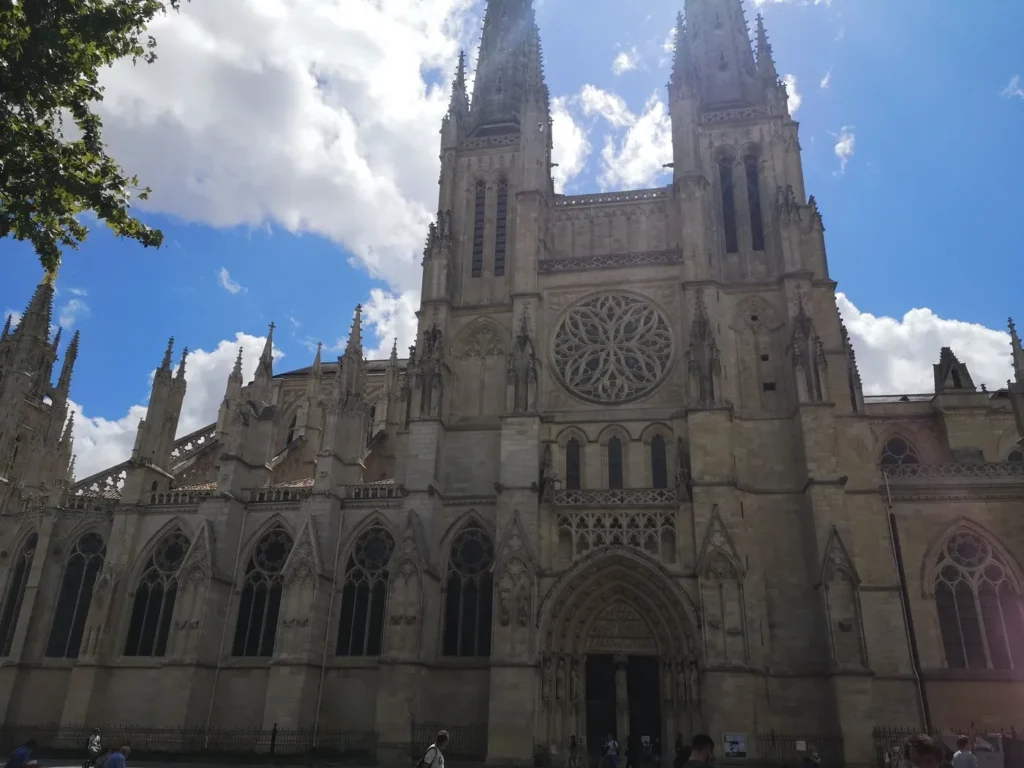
x=617 y=653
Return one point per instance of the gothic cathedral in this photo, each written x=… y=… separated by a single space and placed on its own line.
x=626 y=480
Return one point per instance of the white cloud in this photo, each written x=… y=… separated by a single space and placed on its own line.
x=78 y=292
x=390 y=316
x=102 y=443
x=15 y=316
x=759 y=3
x=1013 y=89
x=845 y=143
x=229 y=285
x=295 y=323
x=896 y=355
x=794 y=99
x=625 y=61
x=72 y=311
x=309 y=116
x=571 y=145
x=826 y=81
x=636 y=157
x=607 y=105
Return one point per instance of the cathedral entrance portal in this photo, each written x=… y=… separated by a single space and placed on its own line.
x=617 y=655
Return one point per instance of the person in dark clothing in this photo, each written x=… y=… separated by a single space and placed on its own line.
x=702 y=751
x=682 y=752
x=22 y=754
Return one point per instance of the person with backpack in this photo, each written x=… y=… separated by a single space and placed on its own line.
x=434 y=756
x=21 y=755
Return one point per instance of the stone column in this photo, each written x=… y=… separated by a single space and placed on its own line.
x=621 y=701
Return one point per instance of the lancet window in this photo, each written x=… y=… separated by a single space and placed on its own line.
x=728 y=204
x=479 y=211
x=469 y=594
x=501 y=230
x=659 y=463
x=155 y=595
x=615 y=471
x=572 y=464
x=260 y=606
x=754 y=202
x=80 y=571
x=14 y=594
x=981 y=617
x=898 y=452
x=364 y=596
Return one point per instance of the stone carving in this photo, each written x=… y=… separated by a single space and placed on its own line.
x=841 y=592
x=428 y=368
x=612 y=348
x=703 y=361
x=620 y=628
x=504 y=606
x=546 y=679
x=611 y=260
x=482 y=340
x=521 y=389
x=560 y=680
x=652 y=531
x=574 y=683
x=523 y=607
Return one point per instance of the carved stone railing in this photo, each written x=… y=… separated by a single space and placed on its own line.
x=292 y=495
x=992 y=469
x=189 y=445
x=88 y=503
x=632 y=196
x=734 y=115
x=611 y=260
x=371 y=491
x=107 y=483
x=625 y=497
x=180 y=498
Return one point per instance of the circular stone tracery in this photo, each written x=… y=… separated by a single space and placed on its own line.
x=612 y=348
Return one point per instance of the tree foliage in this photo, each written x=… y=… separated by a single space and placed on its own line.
x=53 y=163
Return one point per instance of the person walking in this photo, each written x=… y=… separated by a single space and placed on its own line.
x=964 y=758
x=118 y=757
x=432 y=758
x=22 y=754
x=702 y=751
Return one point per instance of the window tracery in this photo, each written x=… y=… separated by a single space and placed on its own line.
x=653 y=533
x=260 y=605
x=153 y=607
x=80 y=571
x=981 y=617
x=479 y=210
x=469 y=593
x=15 y=592
x=728 y=204
x=898 y=452
x=501 y=225
x=750 y=165
x=612 y=348
x=364 y=596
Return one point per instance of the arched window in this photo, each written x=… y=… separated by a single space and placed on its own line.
x=260 y=605
x=980 y=613
x=15 y=592
x=728 y=204
x=469 y=593
x=150 y=624
x=80 y=572
x=754 y=202
x=479 y=210
x=898 y=452
x=572 y=465
x=659 y=463
x=615 y=463
x=1016 y=456
x=364 y=596
x=500 y=230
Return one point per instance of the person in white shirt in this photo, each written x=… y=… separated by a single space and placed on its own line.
x=434 y=756
x=964 y=758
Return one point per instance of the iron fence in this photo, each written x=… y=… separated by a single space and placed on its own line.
x=465 y=742
x=793 y=749
x=247 y=743
x=890 y=742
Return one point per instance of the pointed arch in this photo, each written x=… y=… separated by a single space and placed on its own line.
x=480 y=352
x=469 y=591
x=156 y=591
x=276 y=520
x=842 y=603
x=614 y=443
x=572 y=444
x=88 y=523
x=659 y=455
x=364 y=592
x=145 y=554
x=455 y=527
x=976 y=585
x=82 y=565
x=14 y=589
x=718 y=542
x=721 y=574
x=259 y=607
x=515 y=544
x=482 y=337
x=898 y=450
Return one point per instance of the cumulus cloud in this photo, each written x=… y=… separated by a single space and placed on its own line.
x=1013 y=89
x=310 y=116
x=102 y=443
x=895 y=355
x=845 y=143
x=391 y=316
x=71 y=312
x=609 y=106
x=571 y=145
x=794 y=99
x=229 y=285
x=625 y=61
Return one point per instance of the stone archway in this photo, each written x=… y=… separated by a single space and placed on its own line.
x=621 y=604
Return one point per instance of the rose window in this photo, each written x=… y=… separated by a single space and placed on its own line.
x=612 y=348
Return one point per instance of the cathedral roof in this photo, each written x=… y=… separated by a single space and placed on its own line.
x=372 y=367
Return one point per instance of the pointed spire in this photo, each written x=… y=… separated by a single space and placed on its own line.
x=64 y=383
x=69 y=429
x=355 y=337
x=681 y=83
x=236 y=372
x=266 y=363
x=393 y=360
x=723 y=58
x=56 y=338
x=765 y=60
x=316 y=373
x=165 y=366
x=39 y=312
x=458 y=105
x=7 y=326
x=1018 y=353
x=181 y=365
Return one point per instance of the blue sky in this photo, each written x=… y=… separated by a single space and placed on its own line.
x=297 y=150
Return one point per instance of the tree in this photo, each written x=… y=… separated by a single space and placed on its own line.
x=53 y=163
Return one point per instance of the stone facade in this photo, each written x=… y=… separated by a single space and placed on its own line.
x=626 y=478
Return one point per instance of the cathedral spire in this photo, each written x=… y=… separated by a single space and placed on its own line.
x=352 y=371
x=458 y=105
x=264 y=370
x=1017 y=352
x=722 y=55
x=509 y=71
x=64 y=382
x=765 y=60
x=316 y=373
x=180 y=377
x=165 y=366
x=236 y=372
x=7 y=327
x=355 y=337
x=683 y=80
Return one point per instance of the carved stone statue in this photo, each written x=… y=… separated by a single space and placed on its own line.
x=504 y=606
x=523 y=607
x=546 y=679
x=521 y=387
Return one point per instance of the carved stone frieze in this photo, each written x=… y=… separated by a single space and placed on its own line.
x=611 y=261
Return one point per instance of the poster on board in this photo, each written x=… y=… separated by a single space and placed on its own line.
x=734 y=745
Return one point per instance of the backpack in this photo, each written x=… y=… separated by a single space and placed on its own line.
x=423 y=762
